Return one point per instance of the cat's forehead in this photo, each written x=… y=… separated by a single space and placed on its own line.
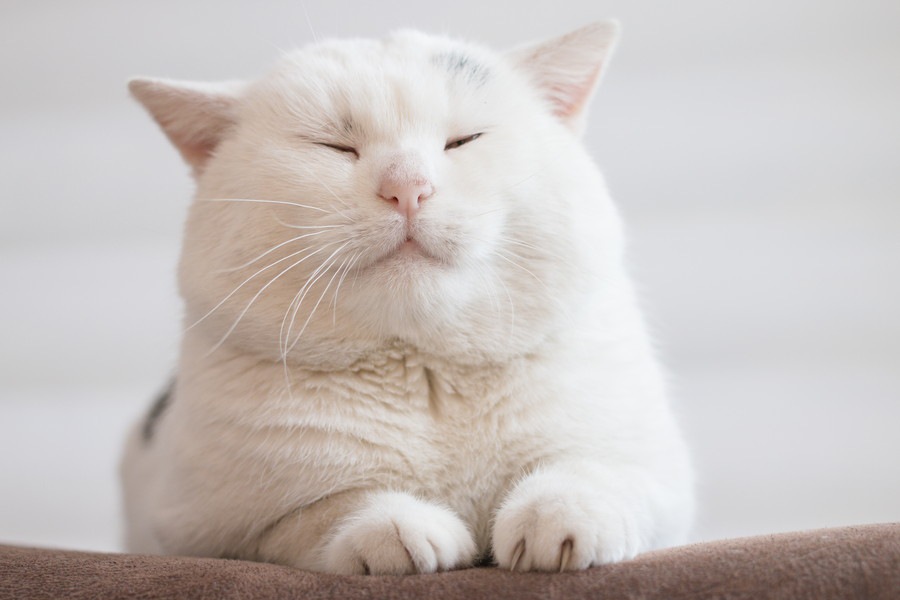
x=408 y=76
x=405 y=52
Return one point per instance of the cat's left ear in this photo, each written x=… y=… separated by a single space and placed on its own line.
x=567 y=69
x=194 y=116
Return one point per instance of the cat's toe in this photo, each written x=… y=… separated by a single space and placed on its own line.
x=560 y=529
x=398 y=534
x=531 y=553
x=565 y=554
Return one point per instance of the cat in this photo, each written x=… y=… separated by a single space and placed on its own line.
x=410 y=343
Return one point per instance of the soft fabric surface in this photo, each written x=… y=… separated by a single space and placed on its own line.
x=852 y=562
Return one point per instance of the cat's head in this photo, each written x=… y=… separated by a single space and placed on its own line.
x=416 y=189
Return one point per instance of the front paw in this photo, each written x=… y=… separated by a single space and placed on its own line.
x=558 y=522
x=396 y=533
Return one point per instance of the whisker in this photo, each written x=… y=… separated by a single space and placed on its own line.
x=315 y=307
x=330 y=191
x=488 y=284
x=309 y=22
x=284 y=333
x=350 y=265
x=486 y=272
x=298 y=299
x=487 y=212
x=289 y=226
x=269 y=251
x=334 y=307
x=518 y=183
x=499 y=254
x=242 y=284
x=518 y=242
x=259 y=293
x=316 y=275
x=254 y=200
x=512 y=306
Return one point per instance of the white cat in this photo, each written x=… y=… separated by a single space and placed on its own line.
x=411 y=344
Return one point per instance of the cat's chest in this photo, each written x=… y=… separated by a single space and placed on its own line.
x=398 y=420
x=400 y=413
x=438 y=431
x=401 y=388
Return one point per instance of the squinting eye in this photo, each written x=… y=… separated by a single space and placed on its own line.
x=339 y=148
x=460 y=141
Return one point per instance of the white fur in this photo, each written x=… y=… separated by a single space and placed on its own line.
x=490 y=389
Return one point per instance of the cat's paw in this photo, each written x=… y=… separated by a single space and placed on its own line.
x=557 y=522
x=396 y=533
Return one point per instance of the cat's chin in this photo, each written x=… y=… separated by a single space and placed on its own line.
x=409 y=255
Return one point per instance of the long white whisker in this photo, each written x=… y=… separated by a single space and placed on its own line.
x=296 y=302
x=482 y=273
x=269 y=251
x=281 y=222
x=512 y=306
x=242 y=284
x=499 y=254
x=317 y=274
x=254 y=200
x=309 y=22
x=330 y=191
x=517 y=242
x=520 y=243
x=487 y=212
x=289 y=226
x=338 y=272
x=259 y=293
x=315 y=307
x=293 y=307
x=517 y=184
x=350 y=265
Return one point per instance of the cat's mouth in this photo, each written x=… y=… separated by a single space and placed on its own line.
x=410 y=249
x=411 y=245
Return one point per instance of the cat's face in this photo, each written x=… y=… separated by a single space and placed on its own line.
x=415 y=189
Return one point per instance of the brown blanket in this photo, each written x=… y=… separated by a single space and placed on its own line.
x=851 y=562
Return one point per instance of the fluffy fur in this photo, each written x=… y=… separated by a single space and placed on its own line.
x=407 y=346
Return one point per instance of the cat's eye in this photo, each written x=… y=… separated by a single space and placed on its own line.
x=341 y=148
x=461 y=141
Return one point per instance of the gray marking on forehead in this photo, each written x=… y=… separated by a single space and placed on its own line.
x=459 y=63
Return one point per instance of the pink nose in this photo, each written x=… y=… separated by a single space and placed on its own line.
x=405 y=195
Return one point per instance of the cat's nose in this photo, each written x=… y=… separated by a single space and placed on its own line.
x=406 y=195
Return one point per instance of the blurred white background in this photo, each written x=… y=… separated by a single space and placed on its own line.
x=754 y=148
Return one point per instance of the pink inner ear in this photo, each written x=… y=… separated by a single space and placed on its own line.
x=195 y=154
x=569 y=100
x=192 y=117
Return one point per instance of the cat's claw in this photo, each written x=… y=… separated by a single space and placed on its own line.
x=556 y=522
x=517 y=554
x=399 y=534
x=565 y=554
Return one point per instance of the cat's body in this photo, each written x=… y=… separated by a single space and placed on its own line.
x=409 y=345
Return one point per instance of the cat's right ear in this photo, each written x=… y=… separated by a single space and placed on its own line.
x=194 y=116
